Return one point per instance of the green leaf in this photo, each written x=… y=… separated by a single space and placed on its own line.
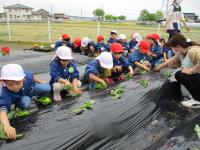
x=86 y=105
x=128 y=76
x=143 y=72
x=167 y=74
x=98 y=85
x=197 y=129
x=116 y=93
x=143 y=82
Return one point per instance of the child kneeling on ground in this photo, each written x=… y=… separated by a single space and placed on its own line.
x=19 y=87
x=120 y=64
x=97 y=67
x=139 y=58
x=64 y=73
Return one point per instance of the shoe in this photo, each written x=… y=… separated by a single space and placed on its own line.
x=191 y=103
x=44 y=100
x=109 y=81
x=120 y=78
x=57 y=98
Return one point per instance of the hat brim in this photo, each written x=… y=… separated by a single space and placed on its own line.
x=66 y=58
x=106 y=66
x=13 y=78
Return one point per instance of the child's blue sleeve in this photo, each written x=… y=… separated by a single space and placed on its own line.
x=125 y=62
x=54 y=72
x=5 y=100
x=91 y=68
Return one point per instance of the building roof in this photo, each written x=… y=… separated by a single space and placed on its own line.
x=42 y=11
x=59 y=15
x=17 y=6
x=36 y=13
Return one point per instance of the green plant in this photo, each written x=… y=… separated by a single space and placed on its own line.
x=143 y=82
x=116 y=93
x=87 y=105
x=167 y=73
x=98 y=85
x=128 y=76
x=143 y=72
x=16 y=112
x=197 y=130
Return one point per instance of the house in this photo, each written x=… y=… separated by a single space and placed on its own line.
x=60 y=17
x=191 y=17
x=18 y=12
x=44 y=14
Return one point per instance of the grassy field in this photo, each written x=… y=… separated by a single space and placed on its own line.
x=38 y=32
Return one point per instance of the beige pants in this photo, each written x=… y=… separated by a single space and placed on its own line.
x=58 y=87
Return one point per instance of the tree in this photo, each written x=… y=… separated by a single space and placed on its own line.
x=99 y=13
x=159 y=15
x=108 y=17
x=144 y=14
x=121 y=18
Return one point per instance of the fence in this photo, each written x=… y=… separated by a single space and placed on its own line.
x=39 y=32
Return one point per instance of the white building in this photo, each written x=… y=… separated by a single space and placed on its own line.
x=18 y=12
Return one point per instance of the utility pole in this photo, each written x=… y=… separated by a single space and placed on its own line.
x=167 y=7
x=8 y=23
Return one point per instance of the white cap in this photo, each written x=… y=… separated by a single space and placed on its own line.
x=114 y=31
x=106 y=60
x=12 y=72
x=64 y=52
x=137 y=37
x=85 y=41
x=122 y=37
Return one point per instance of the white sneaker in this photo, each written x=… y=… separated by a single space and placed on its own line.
x=191 y=103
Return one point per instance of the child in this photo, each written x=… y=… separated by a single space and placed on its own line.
x=64 y=73
x=187 y=58
x=97 y=67
x=113 y=37
x=64 y=41
x=100 y=46
x=125 y=45
x=156 y=50
x=139 y=58
x=167 y=52
x=19 y=87
x=87 y=47
x=120 y=64
x=135 y=40
x=76 y=45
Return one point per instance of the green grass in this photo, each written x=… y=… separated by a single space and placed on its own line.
x=38 y=32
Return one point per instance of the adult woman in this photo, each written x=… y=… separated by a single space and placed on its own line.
x=187 y=56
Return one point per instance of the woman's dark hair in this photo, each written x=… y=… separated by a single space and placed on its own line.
x=179 y=39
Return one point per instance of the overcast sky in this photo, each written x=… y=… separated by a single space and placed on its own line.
x=129 y=8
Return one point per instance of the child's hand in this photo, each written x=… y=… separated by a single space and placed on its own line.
x=103 y=82
x=67 y=83
x=10 y=132
x=77 y=90
x=131 y=73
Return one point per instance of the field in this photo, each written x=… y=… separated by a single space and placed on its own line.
x=38 y=32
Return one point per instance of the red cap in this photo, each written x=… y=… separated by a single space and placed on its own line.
x=100 y=38
x=154 y=36
x=5 y=50
x=116 y=48
x=65 y=36
x=77 y=42
x=144 y=46
x=148 y=36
